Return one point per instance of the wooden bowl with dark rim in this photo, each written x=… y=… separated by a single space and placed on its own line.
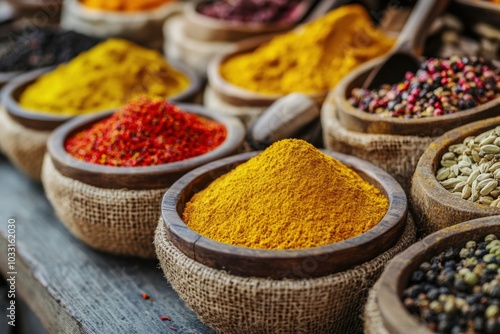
x=239 y=96
x=149 y=177
x=206 y=28
x=355 y=119
x=280 y=264
x=434 y=206
x=45 y=121
x=396 y=318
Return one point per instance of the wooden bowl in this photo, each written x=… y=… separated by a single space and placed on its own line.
x=475 y=11
x=46 y=121
x=396 y=318
x=279 y=264
x=435 y=207
x=206 y=28
x=150 y=177
x=238 y=96
x=357 y=120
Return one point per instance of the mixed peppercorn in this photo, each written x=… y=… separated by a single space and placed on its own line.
x=144 y=133
x=458 y=291
x=439 y=87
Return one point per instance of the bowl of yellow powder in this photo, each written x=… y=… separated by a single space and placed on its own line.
x=310 y=59
x=102 y=78
x=264 y=214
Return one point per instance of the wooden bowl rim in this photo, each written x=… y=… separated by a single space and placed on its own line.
x=60 y=157
x=228 y=90
x=191 y=12
x=395 y=218
x=19 y=112
x=391 y=287
x=345 y=107
x=427 y=166
x=483 y=5
x=153 y=13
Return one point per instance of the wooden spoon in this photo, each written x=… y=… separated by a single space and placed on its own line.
x=403 y=56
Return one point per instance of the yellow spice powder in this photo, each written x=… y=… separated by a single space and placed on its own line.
x=291 y=196
x=104 y=77
x=124 y=5
x=310 y=59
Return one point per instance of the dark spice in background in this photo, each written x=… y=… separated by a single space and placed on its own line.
x=25 y=50
x=254 y=11
x=458 y=291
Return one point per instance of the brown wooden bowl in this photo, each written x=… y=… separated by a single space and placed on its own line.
x=238 y=96
x=357 y=120
x=435 y=207
x=150 y=177
x=475 y=11
x=395 y=278
x=279 y=264
x=42 y=121
x=205 y=28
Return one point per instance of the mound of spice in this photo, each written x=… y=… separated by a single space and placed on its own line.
x=255 y=11
x=439 y=87
x=124 y=5
x=471 y=169
x=290 y=196
x=27 y=50
x=310 y=59
x=104 y=77
x=458 y=291
x=145 y=133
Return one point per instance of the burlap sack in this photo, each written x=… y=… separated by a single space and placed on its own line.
x=23 y=146
x=234 y=304
x=246 y=114
x=117 y=221
x=373 y=319
x=142 y=27
x=398 y=155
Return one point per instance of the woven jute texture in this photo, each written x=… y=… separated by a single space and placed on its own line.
x=398 y=155
x=235 y=304
x=373 y=319
x=117 y=221
x=248 y=115
x=23 y=146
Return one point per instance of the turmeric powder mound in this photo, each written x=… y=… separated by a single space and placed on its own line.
x=290 y=196
x=104 y=77
x=310 y=59
x=124 y=5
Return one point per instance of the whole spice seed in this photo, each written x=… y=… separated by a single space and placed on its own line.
x=458 y=291
x=25 y=50
x=291 y=196
x=477 y=160
x=144 y=133
x=439 y=87
x=255 y=11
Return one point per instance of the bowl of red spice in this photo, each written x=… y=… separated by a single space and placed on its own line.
x=441 y=95
x=263 y=236
x=145 y=144
x=234 y=21
x=105 y=174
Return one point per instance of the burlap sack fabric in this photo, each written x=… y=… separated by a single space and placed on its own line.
x=23 y=146
x=246 y=114
x=234 y=304
x=144 y=27
x=117 y=221
x=398 y=155
x=373 y=319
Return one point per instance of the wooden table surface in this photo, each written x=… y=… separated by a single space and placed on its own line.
x=74 y=289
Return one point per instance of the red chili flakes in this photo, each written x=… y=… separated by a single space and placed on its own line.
x=146 y=296
x=173 y=329
x=145 y=133
x=165 y=318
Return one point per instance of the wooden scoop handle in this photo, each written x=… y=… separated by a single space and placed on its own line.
x=412 y=37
